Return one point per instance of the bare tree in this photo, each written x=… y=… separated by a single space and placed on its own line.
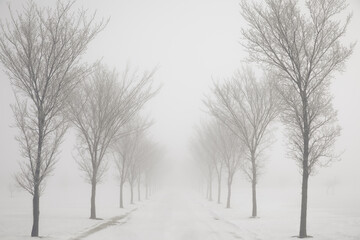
x=208 y=140
x=218 y=147
x=247 y=106
x=231 y=150
x=121 y=155
x=145 y=153
x=149 y=165
x=132 y=176
x=12 y=187
x=202 y=153
x=133 y=173
x=330 y=185
x=40 y=50
x=138 y=181
x=305 y=49
x=98 y=110
x=139 y=151
x=127 y=153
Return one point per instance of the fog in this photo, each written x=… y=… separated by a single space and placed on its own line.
x=192 y=44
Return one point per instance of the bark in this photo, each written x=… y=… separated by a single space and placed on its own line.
x=253 y=186
x=121 y=203
x=304 y=193
x=207 y=190
x=93 y=196
x=146 y=190
x=219 y=189
x=36 y=195
x=305 y=172
x=228 y=195
x=132 y=193
x=230 y=178
x=210 y=189
x=254 y=203
x=36 y=212
x=139 y=190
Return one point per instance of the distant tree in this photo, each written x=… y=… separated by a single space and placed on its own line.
x=122 y=150
x=138 y=181
x=209 y=142
x=12 y=187
x=40 y=49
x=131 y=178
x=304 y=48
x=232 y=153
x=217 y=147
x=248 y=107
x=139 y=151
x=125 y=152
x=202 y=153
x=146 y=153
x=149 y=165
x=133 y=173
x=330 y=185
x=99 y=109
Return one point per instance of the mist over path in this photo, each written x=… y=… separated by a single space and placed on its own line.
x=170 y=215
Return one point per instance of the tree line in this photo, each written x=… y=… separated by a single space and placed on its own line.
x=41 y=50
x=297 y=50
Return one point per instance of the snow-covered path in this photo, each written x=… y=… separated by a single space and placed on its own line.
x=169 y=216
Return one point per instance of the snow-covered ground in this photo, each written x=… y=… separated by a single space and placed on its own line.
x=60 y=217
x=279 y=218
x=174 y=214
x=171 y=215
x=183 y=215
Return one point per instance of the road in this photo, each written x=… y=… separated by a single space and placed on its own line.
x=173 y=215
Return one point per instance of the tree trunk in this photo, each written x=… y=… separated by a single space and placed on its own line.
x=210 y=189
x=139 y=190
x=131 y=193
x=254 y=203
x=228 y=195
x=121 y=203
x=93 y=195
x=36 y=212
x=304 y=192
x=36 y=196
x=146 y=190
x=305 y=167
x=219 y=189
x=253 y=186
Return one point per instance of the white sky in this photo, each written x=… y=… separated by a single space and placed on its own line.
x=190 y=41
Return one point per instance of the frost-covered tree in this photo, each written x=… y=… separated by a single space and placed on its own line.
x=150 y=166
x=202 y=154
x=128 y=153
x=231 y=151
x=40 y=49
x=304 y=47
x=218 y=147
x=139 y=151
x=208 y=150
x=248 y=107
x=99 y=109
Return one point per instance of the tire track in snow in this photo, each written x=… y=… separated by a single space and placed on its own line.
x=217 y=225
x=234 y=230
x=111 y=222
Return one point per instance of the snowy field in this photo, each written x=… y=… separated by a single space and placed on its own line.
x=279 y=215
x=184 y=214
x=61 y=217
